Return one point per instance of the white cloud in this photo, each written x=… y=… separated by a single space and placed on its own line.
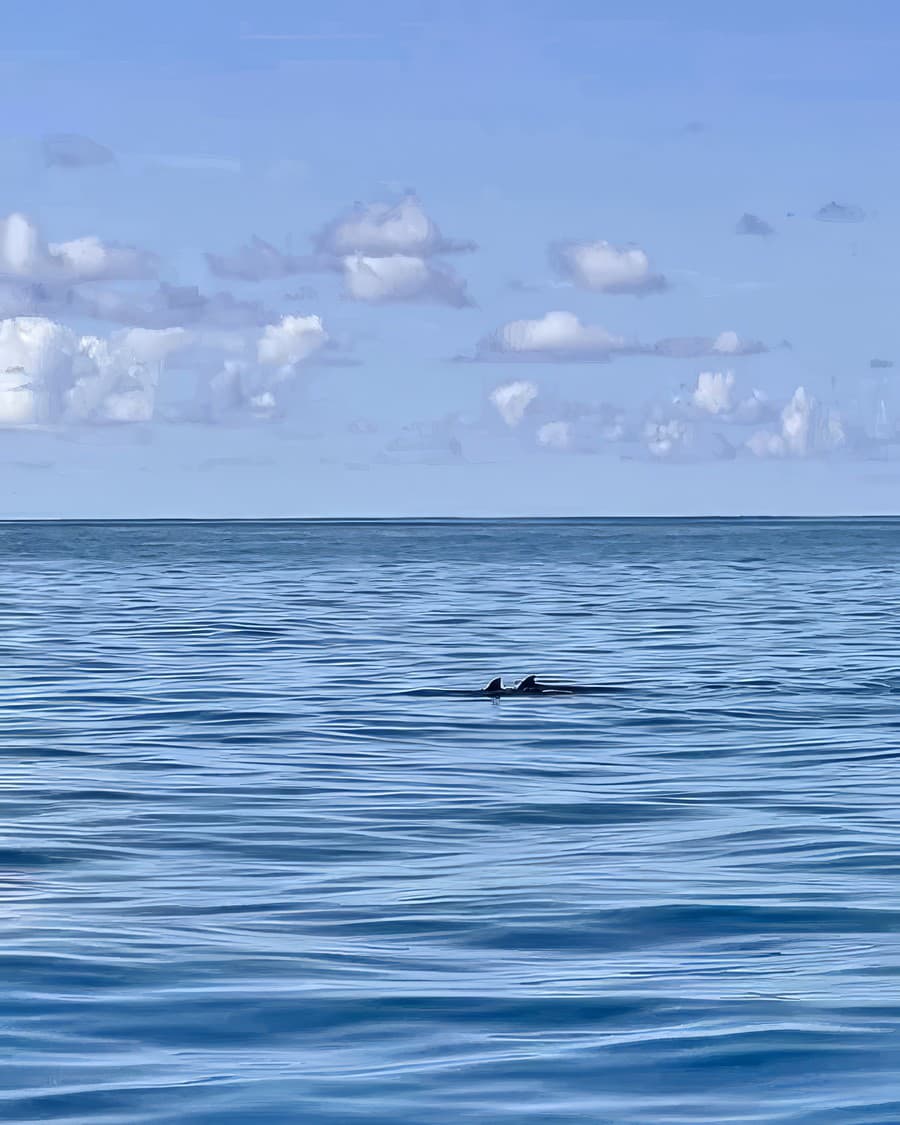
x=714 y=392
x=381 y=230
x=253 y=378
x=512 y=400
x=555 y=435
x=604 y=268
x=807 y=429
x=728 y=343
x=292 y=340
x=555 y=336
x=49 y=374
x=18 y=399
x=24 y=256
x=401 y=277
x=119 y=382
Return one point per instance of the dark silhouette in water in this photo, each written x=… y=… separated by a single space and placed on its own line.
x=529 y=686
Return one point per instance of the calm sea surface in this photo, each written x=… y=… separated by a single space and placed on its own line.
x=263 y=859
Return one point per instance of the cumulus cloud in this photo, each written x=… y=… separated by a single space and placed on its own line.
x=560 y=337
x=261 y=261
x=252 y=381
x=512 y=400
x=381 y=230
x=26 y=257
x=49 y=374
x=807 y=429
x=714 y=392
x=603 y=268
x=749 y=223
x=385 y=252
x=70 y=150
x=291 y=341
x=122 y=376
x=401 y=277
x=840 y=213
x=556 y=336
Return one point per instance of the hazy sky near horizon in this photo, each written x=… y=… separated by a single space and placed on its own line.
x=449 y=258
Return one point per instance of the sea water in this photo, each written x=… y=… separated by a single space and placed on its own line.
x=267 y=856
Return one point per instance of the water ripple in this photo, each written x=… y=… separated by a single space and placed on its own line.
x=266 y=855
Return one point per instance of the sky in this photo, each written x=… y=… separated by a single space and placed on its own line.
x=449 y=259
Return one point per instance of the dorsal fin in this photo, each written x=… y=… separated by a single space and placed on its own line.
x=528 y=684
x=495 y=686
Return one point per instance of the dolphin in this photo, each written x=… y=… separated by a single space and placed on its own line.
x=529 y=686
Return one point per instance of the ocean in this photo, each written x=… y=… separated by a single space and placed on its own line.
x=267 y=856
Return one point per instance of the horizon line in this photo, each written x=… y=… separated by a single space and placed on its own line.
x=447 y=519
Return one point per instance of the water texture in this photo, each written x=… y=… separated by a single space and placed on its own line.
x=263 y=860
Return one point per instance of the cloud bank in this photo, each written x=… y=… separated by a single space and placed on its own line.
x=560 y=337
x=713 y=422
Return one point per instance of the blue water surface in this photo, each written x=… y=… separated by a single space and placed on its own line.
x=262 y=859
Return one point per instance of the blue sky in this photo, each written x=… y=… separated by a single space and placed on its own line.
x=609 y=344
